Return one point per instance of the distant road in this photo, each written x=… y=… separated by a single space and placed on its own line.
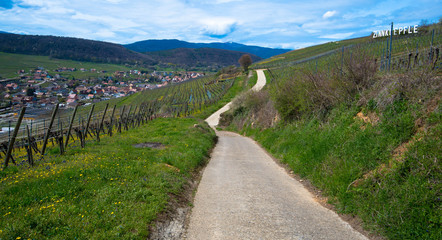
x=9 y=79
x=261 y=81
x=213 y=120
x=244 y=194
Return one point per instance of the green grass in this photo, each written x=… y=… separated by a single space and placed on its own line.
x=109 y=190
x=399 y=201
x=252 y=81
x=406 y=200
x=11 y=63
x=269 y=78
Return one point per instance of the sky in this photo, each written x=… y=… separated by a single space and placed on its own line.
x=289 y=24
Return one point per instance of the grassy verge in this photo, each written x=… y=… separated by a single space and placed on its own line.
x=252 y=81
x=357 y=165
x=109 y=190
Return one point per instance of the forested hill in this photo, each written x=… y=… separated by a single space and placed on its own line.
x=167 y=44
x=201 y=57
x=71 y=48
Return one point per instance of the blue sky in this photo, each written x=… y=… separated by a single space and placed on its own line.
x=276 y=23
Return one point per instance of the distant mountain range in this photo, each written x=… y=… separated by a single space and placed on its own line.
x=187 y=55
x=200 y=57
x=71 y=48
x=167 y=44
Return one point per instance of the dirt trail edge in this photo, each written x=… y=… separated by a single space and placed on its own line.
x=244 y=194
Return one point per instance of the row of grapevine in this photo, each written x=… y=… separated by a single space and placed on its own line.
x=407 y=52
x=68 y=128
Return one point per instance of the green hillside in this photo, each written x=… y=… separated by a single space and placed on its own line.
x=308 y=52
x=326 y=53
x=72 y=49
x=11 y=63
x=363 y=129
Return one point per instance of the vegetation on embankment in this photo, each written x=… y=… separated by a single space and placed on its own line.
x=109 y=190
x=369 y=140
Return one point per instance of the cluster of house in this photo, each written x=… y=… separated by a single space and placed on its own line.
x=177 y=78
x=66 y=94
x=39 y=89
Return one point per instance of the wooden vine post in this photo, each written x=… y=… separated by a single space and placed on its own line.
x=45 y=141
x=134 y=116
x=87 y=124
x=59 y=138
x=102 y=118
x=70 y=127
x=111 y=121
x=29 y=147
x=121 y=119
x=14 y=135
x=127 y=118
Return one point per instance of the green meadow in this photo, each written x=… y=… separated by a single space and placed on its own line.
x=12 y=63
x=109 y=190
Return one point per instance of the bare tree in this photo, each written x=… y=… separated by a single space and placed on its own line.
x=245 y=61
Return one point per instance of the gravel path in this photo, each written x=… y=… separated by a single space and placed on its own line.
x=244 y=194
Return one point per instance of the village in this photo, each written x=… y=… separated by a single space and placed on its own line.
x=42 y=89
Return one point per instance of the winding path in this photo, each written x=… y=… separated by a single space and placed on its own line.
x=244 y=194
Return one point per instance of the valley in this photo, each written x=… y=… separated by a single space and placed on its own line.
x=357 y=121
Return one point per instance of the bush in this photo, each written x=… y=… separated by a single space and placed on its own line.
x=254 y=107
x=288 y=98
x=359 y=71
x=318 y=91
x=417 y=86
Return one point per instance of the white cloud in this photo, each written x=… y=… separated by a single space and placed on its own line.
x=37 y=3
x=277 y=23
x=218 y=26
x=329 y=14
x=111 y=22
x=115 y=1
x=105 y=33
x=226 y=1
x=337 y=35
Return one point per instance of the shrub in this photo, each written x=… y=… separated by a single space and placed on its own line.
x=288 y=98
x=255 y=107
x=318 y=91
x=417 y=86
x=359 y=71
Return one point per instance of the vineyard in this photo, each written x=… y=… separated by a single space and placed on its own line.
x=398 y=53
x=27 y=139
